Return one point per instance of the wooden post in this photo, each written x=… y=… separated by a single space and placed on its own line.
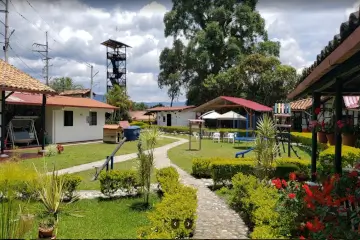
x=112 y=163
x=190 y=133
x=107 y=165
x=3 y=128
x=43 y=110
x=316 y=104
x=338 y=116
x=200 y=137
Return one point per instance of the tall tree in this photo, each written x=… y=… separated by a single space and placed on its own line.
x=64 y=83
x=139 y=106
x=117 y=97
x=220 y=33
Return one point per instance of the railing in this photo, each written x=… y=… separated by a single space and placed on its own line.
x=109 y=159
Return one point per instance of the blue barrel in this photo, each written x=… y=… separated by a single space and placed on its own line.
x=132 y=133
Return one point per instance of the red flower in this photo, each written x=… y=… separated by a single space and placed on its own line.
x=284 y=183
x=292 y=176
x=317 y=111
x=291 y=195
x=307 y=190
x=340 y=124
x=309 y=225
x=277 y=183
x=353 y=174
x=302 y=238
x=323 y=124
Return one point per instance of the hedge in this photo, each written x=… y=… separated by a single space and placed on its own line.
x=257 y=201
x=179 y=203
x=222 y=170
x=114 y=180
x=305 y=139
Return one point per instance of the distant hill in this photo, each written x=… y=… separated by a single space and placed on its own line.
x=101 y=98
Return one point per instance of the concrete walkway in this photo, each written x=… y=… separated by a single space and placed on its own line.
x=158 y=153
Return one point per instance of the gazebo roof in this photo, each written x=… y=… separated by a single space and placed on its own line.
x=213 y=115
x=231 y=115
x=228 y=102
x=12 y=79
x=340 y=59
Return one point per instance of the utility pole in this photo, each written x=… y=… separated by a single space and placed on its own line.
x=46 y=56
x=6 y=46
x=92 y=79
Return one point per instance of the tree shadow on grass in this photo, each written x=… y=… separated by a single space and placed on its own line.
x=130 y=196
x=241 y=147
x=192 y=150
x=140 y=206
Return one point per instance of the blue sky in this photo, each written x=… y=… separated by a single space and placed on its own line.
x=76 y=29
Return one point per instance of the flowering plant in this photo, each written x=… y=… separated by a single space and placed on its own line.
x=346 y=127
x=319 y=126
x=60 y=148
x=329 y=127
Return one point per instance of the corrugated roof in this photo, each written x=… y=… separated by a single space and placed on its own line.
x=75 y=92
x=351 y=101
x=12 y=79
x=248 y=104
x=304 y=104
x=114 y=44
x=162 y=109
x=62 y=101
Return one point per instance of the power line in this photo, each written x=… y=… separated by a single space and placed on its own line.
x=33 y=70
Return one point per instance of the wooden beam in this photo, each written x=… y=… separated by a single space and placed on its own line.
x=315 y=104
x=338 y=116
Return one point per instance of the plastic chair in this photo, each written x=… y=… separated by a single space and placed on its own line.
x=231 y=137
x=216 y=137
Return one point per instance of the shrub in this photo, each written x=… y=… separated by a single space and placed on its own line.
x=168 y=179
x=222 y=171
x=142 y=125
x=51 y=150
x=71 y=182
x=258 y=201
x=114 y=180
x=201 y=167
x=306 y=139
x=178 y=204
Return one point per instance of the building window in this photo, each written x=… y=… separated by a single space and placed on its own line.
x=68 y=118
x=93 y=119
x=164 y=120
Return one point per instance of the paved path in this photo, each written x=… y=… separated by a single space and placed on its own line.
x=159 y=153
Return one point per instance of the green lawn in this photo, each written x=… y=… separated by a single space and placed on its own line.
x=101 y=219
x=88 y=184
x=182 y=157
x=84 y=153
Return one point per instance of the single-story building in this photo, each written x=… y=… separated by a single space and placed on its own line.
x=83 y=93
x=141 y=116
x=68 y=119
x=252 y=110
x=302 y=110
x=173 y=116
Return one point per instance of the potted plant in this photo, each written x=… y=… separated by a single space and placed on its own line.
x=348 y=133
x=319 y=128
x=46 y=228
x=329 y=131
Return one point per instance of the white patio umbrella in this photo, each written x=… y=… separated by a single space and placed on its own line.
x=231 y=115
x=213 y=115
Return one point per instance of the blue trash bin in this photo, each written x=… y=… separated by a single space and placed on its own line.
x=132 y=133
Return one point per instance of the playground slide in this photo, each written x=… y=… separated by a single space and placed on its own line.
x=242 y=153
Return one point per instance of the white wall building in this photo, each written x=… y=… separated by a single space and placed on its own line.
x=173 y=116
x=68 y=119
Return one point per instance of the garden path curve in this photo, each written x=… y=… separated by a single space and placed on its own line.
x=215 y=220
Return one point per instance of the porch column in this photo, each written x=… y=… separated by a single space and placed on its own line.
x=43 y=107
x=3 y=127
x=338 y=117
x=315 y=104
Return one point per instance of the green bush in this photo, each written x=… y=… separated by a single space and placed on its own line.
x=71 y=182
x=282 y=170
x=140 y=124
x=222 y=171
x=168 y=178
x=114 y=180
x=179 y=203
x=201 y=167
x=306 y=140
x=257 y=200
x=186 y=130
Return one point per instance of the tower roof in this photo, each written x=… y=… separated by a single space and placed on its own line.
x=114 y=44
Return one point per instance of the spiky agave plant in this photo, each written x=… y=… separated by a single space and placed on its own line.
x=148 y=141
x=265 y=147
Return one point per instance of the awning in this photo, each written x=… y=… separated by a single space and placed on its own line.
x=213 y=115
x=231 y=115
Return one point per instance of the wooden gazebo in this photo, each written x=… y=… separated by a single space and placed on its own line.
x=13 y=80
x=336 y=72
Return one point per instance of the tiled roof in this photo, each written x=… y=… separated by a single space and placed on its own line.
x=140 y=116
x=346 y=29
x=161 y=109
x=124 y=124
x=62 y=101
x=12 y=79
x=351 y=101
x=75 y=92
x=248 y=104
x=111 y=126
x=304 y=104
x=301 y=105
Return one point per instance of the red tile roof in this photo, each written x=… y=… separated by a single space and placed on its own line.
x=75 y=92
x=61 y=101
x=162 y=109
x=248 y=104
x=111 y=126
x=140 y=116
x=304 y=104
x=351 y=101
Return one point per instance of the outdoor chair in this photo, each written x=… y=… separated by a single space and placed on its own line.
x=196 y=135
x=216 y=137
x=231 y=137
